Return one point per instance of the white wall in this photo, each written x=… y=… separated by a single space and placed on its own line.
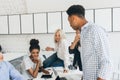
x=49 y=5
x=100 y=3
x=12 y=7
x=114 y=38
x=61 y=5
x=20 y=43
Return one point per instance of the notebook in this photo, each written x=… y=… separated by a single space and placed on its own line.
x=57 y=76
x=47 y=75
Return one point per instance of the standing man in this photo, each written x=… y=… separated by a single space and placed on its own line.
x=96 y=62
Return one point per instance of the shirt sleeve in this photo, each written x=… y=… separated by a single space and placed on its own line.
x=102 y=51
x=66 y=54
x=26 y=63
x=41 y=62
x=56 y=47
x=14 y=74
x=71 y=51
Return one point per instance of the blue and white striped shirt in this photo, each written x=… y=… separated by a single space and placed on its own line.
x=95 y=52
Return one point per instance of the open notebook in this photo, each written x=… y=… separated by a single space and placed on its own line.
x=57 y=76
x=47 y=75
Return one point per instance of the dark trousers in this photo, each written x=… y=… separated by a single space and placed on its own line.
x=77 y=60
x=53 y=61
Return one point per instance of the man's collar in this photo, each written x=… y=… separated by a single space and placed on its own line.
x=84 y=26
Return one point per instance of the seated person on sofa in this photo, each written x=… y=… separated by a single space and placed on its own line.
x=31 y=64
x=7 y=71
x=61 y=57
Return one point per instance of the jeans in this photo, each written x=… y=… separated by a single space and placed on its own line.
x=53 y=61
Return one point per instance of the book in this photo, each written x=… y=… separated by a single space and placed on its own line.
x=47 y=75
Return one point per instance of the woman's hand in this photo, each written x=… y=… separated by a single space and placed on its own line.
x=36 y=60
x=49 y=49
x=65 y=71
x=46 y=72
x=77 y=38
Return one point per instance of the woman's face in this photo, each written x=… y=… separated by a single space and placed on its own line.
x=57 y=36
x=35 y=53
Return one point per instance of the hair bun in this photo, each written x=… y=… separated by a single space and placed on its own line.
x=34 y=42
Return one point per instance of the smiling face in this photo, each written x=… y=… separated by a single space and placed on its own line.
x=57 y=37
x=35 y=53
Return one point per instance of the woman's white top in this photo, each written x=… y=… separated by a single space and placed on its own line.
x=26 y=65
x=62 y=52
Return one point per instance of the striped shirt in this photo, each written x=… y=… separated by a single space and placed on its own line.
x=95 y=52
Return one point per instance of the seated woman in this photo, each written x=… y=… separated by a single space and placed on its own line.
x=74 y=49
x=7 y=71
x=61 y=57
x=31 y=64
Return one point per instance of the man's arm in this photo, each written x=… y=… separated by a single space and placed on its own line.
x=14 y=74
x=102 y=51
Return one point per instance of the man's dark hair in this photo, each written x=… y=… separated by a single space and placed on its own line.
x=78 y=10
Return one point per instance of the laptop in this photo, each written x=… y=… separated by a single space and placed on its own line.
x=57 y=76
